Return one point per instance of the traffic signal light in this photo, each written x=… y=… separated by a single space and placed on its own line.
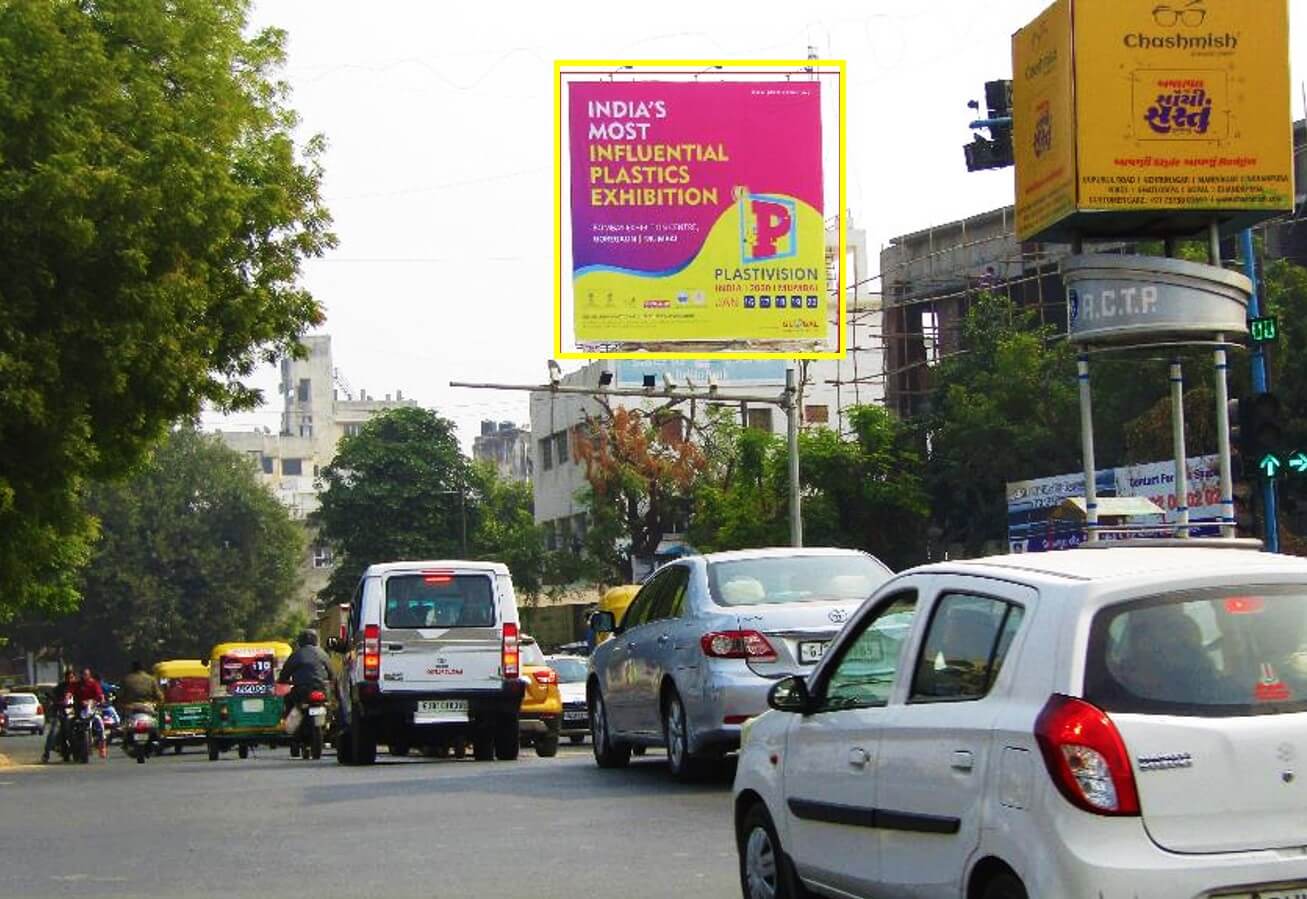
x=1261 y=436
x=997 y=152
x=987 y=154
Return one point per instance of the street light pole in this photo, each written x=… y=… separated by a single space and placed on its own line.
x=792 y=440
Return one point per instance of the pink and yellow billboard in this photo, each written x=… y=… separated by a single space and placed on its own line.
x=696 y=211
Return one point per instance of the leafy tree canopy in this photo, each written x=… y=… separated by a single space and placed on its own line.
x=153 y=217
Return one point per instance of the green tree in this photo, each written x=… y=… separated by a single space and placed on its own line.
x=1003 y=409
x=398 y=489
x=154 y=213
x=506 y=530
x=194 y=550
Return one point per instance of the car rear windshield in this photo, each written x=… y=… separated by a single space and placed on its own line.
x=570 y=671
x=531 y=654
x=16 y=700
x=784 y=579
x=439 y=600
x=1211 y=653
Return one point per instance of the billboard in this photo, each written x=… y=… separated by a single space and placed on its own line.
x=1030 y=504
x=1179 y=113
x=696 y=211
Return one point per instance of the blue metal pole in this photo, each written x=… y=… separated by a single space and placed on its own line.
x=1261 y=383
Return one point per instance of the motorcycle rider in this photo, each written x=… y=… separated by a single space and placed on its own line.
x=306 y=670
x=69 y=685
x=139 y=691
x=89 y=690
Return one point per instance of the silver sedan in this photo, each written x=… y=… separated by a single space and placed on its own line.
x=698 y=648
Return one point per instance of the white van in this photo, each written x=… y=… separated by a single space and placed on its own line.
x=431 y=659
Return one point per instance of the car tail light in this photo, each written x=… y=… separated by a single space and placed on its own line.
x=1086 y=757
x=40 y=710
x=372 y=652
x=317 y=696
x=546 y=676
x=509 y=654
x=736 y=645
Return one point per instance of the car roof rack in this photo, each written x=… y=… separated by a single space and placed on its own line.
x=1181 y=542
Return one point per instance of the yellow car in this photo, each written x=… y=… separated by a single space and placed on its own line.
x=615 y=600
x=542 y=703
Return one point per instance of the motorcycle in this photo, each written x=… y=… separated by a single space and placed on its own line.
x=307 y=724
x=74 y=723
x=141 y=734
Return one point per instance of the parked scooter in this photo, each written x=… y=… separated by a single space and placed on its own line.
x=307 y=723
x=141 y=733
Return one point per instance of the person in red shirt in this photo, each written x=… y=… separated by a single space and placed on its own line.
x=89 y=689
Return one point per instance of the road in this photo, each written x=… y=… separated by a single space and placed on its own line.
x=272 y=826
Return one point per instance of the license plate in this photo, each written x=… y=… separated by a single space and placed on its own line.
x=812 y=651
x=318 y=711
x=1298 y=892
x=251 y=705
x=430 y=711
x=574 y=716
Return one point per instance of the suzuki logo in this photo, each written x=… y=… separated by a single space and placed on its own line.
x=838 y=616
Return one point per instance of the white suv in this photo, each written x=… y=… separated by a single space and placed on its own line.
x=431 y=658
x=1117 y=722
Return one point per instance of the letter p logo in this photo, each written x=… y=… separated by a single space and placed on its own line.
x=768 y=227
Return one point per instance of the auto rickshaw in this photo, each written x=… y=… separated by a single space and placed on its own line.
x=184 y=715
x=615 y=600
x=245 y=704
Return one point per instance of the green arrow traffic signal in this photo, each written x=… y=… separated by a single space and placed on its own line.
x=1298 y=462
x=1270 y=465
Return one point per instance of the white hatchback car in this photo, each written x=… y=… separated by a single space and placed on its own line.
x=1116 y=722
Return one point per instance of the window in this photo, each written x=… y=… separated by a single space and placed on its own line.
x=1221 y=652
x=306 y=426
x=439 y=600
x=816 y=415
x=546 y=453
x=292 y=466
x=795 y=578
x=570 y=671
x=352 y=428
x=670 y=599
x=760 y=419
x=531 y=654
x=560 y=447
x=864 y=673
x=638 y=612
x=322 y=557
x=265 y=462
x=964 y=649
x=302 y=392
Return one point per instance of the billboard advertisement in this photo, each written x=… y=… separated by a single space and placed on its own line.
x=1030 y=504
x=696 y=211
x=1179 y=107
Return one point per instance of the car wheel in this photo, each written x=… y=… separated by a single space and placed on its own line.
x=547 y=745
x=508 y=741
x=608 y=753
x=676 y=731
x=483 y=745
x=177 y=750
x=577 y=739
x=399 y=750
x=460 y=748
x=765 y=872
x=1005 y=886
x=212 y=746
x=243 y=751
x=344 y=744
x=364 y=749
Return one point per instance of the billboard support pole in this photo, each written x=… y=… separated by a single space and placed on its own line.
x=1087 y=447
x=792 y=439
x=1223 y=438
x=1181 y=463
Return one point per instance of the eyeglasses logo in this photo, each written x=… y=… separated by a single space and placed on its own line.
x=1190 y=15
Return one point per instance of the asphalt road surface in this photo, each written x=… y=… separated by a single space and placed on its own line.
x=272 y=826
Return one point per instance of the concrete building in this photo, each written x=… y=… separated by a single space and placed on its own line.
x=507 y=447
x=318 y=409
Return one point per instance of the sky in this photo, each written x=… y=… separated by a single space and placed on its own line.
x=439 y=172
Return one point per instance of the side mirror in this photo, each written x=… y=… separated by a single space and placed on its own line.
x=603 y=622
x=790 y=694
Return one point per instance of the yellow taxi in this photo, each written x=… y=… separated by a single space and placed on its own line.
x=542 y=703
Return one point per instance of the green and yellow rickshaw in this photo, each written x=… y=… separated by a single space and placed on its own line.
x=245 y=708
x=184 y=715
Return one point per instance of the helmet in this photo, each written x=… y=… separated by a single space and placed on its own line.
x=308 y=638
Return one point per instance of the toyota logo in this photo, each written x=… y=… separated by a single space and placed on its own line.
x=838 y=616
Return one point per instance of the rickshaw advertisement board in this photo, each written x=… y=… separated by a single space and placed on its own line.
x=696 y=210
x=248 y=672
